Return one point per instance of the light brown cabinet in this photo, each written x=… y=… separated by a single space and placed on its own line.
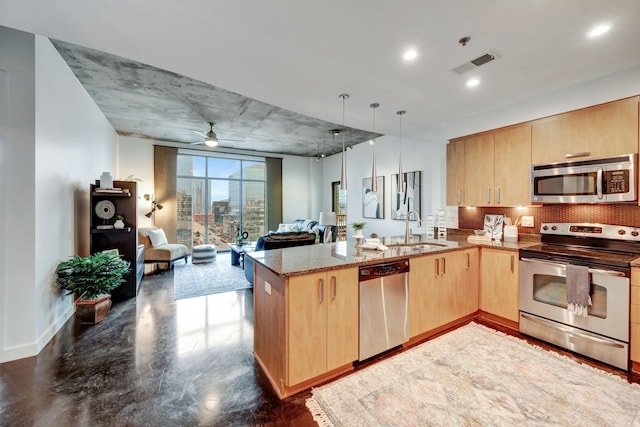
x=455 y=173
x=442 y=288
x=512 y=154
x=479 y=167
x=499 y=283
x=602 y=130
x=470 y=278
x=322 y=324
x=496 y=168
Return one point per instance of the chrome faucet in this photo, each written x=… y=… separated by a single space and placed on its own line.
x=407 y=233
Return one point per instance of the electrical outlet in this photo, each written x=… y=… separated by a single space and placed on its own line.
x=527 y=221
x=267 y=287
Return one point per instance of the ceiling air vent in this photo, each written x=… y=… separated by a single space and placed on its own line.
x=475 y=63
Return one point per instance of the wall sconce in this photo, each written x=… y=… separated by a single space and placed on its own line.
x=154 y=205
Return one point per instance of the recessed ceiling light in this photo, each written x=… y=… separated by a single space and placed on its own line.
x=473 y=82
x=599 y=30
x=410 y=54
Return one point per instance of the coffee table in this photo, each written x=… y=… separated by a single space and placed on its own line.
x=238 y=251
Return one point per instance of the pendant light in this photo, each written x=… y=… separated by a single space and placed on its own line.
x=343 y=175
x=374 y=178
x=401 y=183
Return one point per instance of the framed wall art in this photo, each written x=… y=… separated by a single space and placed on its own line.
x=373 y=203
x=409 y=200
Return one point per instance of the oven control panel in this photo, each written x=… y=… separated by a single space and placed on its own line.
x=604 y=231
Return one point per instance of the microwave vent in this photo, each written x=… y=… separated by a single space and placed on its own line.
x=475 y=63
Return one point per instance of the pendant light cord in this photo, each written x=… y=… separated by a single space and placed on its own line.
x=401 y=182
x=343 y=176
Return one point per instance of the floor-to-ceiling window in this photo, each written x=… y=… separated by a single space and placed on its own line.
x=219 y=198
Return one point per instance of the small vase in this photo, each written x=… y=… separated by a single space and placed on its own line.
x=118 y=224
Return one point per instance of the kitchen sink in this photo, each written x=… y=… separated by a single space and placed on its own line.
x=417 y=246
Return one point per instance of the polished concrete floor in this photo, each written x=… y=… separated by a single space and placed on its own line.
x=152 y=362
x=158 y=362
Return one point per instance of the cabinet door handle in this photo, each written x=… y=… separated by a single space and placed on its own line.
x=437 y=267
x=581 y=154
x=335 y=290
x=512 y=263
x=444 y=266
x=498 y=195
x=459 y=196
x=468 y=261
x=488 y=195
x=321 y=291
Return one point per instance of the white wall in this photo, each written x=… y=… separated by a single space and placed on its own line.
x=301 y=197
x=57 y=142
x=135 y=157
x=17 y=233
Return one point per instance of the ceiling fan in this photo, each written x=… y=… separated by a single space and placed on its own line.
x=210 y=138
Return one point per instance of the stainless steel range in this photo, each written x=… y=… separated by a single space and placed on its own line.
x=604 y=253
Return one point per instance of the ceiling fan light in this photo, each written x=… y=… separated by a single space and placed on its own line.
x=211 y=141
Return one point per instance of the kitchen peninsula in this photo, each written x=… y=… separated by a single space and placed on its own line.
x=306 y=301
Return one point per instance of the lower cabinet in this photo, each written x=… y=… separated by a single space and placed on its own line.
x=471 y=271
x=322 y=328
x=499 y=283
x=634 y=314
x=442 y=288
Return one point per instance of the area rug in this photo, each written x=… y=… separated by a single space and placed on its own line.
x=477 y=376
x=194 y=280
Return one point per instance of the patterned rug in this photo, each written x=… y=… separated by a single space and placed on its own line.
x=194 y=280
x=477 y=376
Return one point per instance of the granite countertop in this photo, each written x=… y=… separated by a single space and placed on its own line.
x=299 y=260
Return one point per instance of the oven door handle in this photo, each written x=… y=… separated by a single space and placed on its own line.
x=563 y=266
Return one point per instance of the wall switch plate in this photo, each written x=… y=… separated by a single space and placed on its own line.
x=527 y=221
x=267 y=287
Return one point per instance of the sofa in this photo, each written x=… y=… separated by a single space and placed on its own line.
x=298 y=233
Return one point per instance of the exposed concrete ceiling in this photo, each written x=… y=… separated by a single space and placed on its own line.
x=299 y=56
x=147 y=102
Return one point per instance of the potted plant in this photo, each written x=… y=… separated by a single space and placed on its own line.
x=91 y=279
x=358 y=226
x=119 y=222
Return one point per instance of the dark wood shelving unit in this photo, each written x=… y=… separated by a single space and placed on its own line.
x=125 y=240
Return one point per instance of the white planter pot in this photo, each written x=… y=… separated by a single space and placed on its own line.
x=357 y=233
x=118 y=224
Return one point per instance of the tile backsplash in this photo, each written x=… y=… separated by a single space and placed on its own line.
x=629 y=215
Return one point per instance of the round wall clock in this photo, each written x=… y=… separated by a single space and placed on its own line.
x=105 y=209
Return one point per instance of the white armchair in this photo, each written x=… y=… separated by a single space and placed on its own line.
x=157 y=250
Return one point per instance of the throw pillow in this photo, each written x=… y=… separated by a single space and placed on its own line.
x=287 y=228
x=157 y=237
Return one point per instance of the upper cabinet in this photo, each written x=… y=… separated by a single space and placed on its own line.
x=490 y=169
x=599 y=131
x=455 y=173
x=512 y=147
x=493 y=168
x=479 y=165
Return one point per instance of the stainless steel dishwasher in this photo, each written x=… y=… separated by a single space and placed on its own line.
x=384 y=290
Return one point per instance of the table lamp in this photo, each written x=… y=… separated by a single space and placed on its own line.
x=329 y=220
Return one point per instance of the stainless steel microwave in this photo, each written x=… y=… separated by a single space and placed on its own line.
x=604 y=180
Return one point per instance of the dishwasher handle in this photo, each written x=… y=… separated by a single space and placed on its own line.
x=377 y=271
